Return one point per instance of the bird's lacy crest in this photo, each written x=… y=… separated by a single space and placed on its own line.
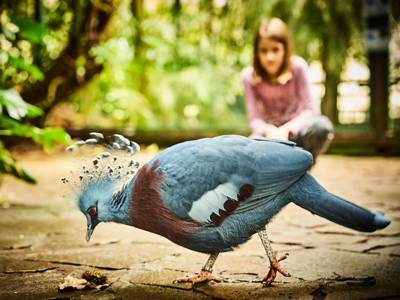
x=149 y=212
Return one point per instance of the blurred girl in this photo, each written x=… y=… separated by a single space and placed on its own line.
x=277 y=94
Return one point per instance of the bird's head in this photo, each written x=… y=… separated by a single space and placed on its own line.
x=100 y=183
x=95 y=202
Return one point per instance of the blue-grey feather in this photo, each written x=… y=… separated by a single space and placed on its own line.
x=308 y=194
x=195 y=167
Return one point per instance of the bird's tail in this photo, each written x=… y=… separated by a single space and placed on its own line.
x=309 y=194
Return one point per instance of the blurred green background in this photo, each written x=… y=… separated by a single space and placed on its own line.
x=138 y=66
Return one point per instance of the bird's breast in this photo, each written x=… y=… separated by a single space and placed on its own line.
x=148 y=211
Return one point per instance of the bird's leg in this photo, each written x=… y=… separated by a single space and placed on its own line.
x=274 y=262
x=206 y=272
x=210 y=262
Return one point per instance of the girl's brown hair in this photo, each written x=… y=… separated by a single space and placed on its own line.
x=277 y=30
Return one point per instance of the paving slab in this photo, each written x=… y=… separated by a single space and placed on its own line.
x=42 y=240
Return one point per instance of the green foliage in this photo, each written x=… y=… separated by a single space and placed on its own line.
x=30 y=30
x=16 y=107
x=11 y=125
x=20 y=64
x=8 y=166
x=27 y=46
x=169 y=71
x=17 y=37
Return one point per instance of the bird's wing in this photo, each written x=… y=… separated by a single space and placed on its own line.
x=208 y=179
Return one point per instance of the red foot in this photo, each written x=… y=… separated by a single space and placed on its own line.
x=273 y=270
x=203 y=276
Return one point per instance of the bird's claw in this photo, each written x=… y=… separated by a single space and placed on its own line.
x=274 y=269
x=203 y=276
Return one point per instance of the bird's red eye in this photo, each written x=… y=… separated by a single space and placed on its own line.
x=92 y=211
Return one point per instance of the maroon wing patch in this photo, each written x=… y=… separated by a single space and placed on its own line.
x=230 y=205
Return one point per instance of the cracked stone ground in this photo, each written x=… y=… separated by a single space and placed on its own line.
x=42 y=239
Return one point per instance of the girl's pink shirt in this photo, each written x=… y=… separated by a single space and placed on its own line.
x=288 y=104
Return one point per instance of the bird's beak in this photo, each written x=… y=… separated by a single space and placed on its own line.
x=90 y=228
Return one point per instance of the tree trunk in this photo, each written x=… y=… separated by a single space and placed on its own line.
x=62 y=78
x=137 y=10
x=332 y=80
x=329 y=101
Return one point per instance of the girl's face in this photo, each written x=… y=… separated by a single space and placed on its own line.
x=271 y=54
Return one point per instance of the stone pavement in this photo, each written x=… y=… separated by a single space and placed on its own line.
x=42 y=239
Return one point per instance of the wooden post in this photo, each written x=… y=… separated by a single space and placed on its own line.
x=379 y=81
x=376 y=14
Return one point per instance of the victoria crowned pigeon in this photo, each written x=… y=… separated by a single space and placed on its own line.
x=210 y=195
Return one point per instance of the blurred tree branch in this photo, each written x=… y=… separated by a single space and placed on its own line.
x=62 y=77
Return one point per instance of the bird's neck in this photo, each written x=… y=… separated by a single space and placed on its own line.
x=120 y=205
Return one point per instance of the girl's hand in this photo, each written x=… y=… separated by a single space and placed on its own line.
x=278 y=133
x=283 y=133
x=271 y=131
